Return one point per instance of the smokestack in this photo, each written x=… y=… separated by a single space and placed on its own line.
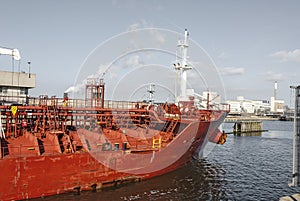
x=275 y=90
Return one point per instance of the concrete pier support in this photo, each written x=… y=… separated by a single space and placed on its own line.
x=247 y=126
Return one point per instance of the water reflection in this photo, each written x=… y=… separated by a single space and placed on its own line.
x=198 y=180
x=257 y=133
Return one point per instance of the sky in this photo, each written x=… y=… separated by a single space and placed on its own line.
x=251 y=43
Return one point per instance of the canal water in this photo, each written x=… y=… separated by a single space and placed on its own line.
x=244 y=168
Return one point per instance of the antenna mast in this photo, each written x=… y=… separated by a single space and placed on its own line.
x=183 y=66
x=151 y=91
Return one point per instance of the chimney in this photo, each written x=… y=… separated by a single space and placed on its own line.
x=275 y=90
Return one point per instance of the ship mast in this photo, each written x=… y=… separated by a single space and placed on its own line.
x=182 y=66
x=151 y=91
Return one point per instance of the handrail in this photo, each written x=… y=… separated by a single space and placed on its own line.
x=44 y=100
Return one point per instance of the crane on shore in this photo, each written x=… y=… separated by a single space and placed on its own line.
x=12 y=52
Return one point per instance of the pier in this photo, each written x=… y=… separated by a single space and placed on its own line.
x=233 y=119
x=247 y=126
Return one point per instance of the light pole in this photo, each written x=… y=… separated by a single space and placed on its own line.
x=296 y=141
x=29 y=68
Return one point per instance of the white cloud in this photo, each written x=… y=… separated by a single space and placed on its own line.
x=271 y=76
x=133 y=61
x=223 y=55
x=139 y=25
x=231 y=71
x=285 y=56
x=143 y=33
x=159 y=37
x=133 y=27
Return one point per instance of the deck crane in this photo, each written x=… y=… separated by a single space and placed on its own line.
x=13 y=52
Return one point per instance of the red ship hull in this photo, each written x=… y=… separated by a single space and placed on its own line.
x=34 y=173
x=52 y=146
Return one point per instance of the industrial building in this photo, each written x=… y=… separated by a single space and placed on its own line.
x=14 y=86
x=257 y=107
x=243 y=106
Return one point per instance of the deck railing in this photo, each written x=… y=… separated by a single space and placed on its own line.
x=45 y=100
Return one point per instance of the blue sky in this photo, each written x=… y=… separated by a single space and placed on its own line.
x=252 y=43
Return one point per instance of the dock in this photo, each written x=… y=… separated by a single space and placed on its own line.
x=247 y=127
x=248 y=118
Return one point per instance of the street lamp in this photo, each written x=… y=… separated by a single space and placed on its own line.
x=29 y=68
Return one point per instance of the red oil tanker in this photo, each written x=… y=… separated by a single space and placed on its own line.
x=53 y=146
